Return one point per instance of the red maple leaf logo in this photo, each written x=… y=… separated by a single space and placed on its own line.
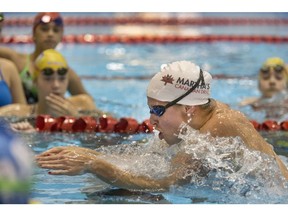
x=167 y=79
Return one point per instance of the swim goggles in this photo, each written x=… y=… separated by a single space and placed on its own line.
x=47 y=19
x=49 y=71
x=265 y=72
x=159 y=110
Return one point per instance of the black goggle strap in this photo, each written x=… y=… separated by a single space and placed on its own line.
x=201 y=78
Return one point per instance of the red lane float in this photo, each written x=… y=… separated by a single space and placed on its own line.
x=154 y=21
x=128 y=125
x=132 y=39
x=103 y=124
x=270 y=125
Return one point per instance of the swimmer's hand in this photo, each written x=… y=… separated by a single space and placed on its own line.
x=59 y=106
x=67 y=160
x=23 y=126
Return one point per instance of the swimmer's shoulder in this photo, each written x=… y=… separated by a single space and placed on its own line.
x=222 y=121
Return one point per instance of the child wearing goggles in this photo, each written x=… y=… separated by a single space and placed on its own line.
x=51 y=79
x=272 y=83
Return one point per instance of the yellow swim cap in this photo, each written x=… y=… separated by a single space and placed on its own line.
x=49 y=58
x=274 y=61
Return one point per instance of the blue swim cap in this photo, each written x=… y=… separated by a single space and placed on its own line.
x=15 y=167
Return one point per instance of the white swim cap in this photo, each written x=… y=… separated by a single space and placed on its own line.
x=175 y=79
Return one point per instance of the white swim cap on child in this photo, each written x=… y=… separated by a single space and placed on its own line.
x=175 y=79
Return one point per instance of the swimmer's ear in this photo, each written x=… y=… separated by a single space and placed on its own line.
x=189 y=109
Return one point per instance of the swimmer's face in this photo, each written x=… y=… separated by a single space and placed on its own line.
x=272 y=80
x=47 y=35
x=52 y=82
x=167 y=124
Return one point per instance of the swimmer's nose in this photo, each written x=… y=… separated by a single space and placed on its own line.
x=153 y=120
x=272 y=83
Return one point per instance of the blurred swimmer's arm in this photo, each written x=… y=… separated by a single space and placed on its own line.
x=76 y=105
x=20 y=110
x=75 y=86
x=85 y=105
x=248 y=101
x=23 y=126
x=8 y=53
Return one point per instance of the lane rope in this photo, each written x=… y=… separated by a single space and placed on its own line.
x=126 y=125
x=21 y=21
x=103 y=124
x=131 y=39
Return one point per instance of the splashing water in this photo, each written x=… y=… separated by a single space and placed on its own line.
x=236 y=174
x=241 y=174
x=147 y=158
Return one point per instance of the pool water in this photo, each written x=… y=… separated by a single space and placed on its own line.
x=116 y=75
x=121 y=71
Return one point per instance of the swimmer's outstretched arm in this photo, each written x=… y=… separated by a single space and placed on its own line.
x=75 y=160
x=181 y=165
x=113 y=175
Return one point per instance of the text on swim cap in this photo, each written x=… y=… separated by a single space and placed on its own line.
x=186 y=84
x=190 y=83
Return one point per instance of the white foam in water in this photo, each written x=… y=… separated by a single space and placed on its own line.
x=147 y=159
x=242 y=173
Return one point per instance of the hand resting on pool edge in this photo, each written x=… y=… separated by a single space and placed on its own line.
x=179 y=93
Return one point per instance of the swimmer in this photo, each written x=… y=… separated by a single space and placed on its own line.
x=179 y=93
x=272 y=83
x=48 y=30
x=51 y=79
x=10 y=84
